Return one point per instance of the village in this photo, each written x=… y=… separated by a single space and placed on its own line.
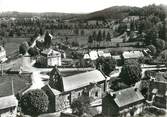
x=91 y=68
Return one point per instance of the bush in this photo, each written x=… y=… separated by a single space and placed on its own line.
x=131 y=72
x=34 y=102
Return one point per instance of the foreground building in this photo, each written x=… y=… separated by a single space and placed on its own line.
x=123 y=103
x=63 y=90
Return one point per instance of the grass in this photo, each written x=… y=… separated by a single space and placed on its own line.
x=12 y=45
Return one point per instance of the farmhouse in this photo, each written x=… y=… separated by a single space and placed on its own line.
x=71 y=87
x=123 y=103
x=52 y=57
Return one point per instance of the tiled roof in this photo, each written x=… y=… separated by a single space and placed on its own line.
x=8 y=101
x=127 y=96
x=82 y=79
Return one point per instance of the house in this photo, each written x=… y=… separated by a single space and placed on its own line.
x=93 y=55
x=123 y=103
x=2 y=54
x=73 y=86
x=158 y=90
x=52 y=57
x=8 y=106
x=132 y=55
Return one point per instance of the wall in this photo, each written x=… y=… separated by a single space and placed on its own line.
x=10 y=112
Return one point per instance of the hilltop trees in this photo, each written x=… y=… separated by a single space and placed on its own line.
x=131 y=72
x=34 y=102
x=98 y=37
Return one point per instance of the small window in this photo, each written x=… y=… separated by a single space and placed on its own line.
x=96 y=94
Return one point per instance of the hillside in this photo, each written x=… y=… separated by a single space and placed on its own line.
x=115 y=12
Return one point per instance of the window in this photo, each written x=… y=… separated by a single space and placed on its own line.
x=78 y=94
x=96 y=94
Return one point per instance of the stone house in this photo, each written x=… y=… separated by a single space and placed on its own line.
x=72 y=87
x=123 y=103
x=52 y=57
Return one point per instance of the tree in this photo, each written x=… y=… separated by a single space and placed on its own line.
x=151 y=36
x=34 y=102
x=131 y=72
x=47 y=40
x=23 y=48
x=108 y=38
x=90 y=40
x=122 y=28
x=153 y=49
x=160 y=45
x=77 y=107
x=99 y=37
x=107 y=65
x=81 y=105
x=104 y=36
x=94 y=37
x=33 y=51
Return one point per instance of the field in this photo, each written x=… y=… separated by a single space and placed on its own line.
x=12 y=45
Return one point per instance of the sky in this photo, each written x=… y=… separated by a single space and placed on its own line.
x=70 y=6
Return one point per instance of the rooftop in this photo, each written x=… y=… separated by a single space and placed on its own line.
x=8 y=101
x=132 y=54
x=127 y=96
x=82 y=79
x=50 y=51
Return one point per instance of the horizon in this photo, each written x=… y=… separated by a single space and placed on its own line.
x=64 y=6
